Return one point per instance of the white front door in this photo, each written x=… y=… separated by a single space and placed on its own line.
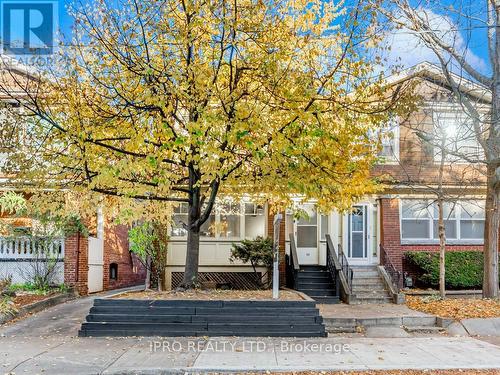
x=306 y=234
x=357 y=248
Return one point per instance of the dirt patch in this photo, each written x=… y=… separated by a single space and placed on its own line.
x=459 y=308
x=285 y=295
x=28 y=298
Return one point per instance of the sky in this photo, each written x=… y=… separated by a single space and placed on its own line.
x=406 y=49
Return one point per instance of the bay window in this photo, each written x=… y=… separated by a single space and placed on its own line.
x=463 y=220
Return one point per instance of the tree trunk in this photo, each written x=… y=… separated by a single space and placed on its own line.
x=192 y=259
x=442 y=249
x=148 y=272
x=190 y=279
x=491 y=281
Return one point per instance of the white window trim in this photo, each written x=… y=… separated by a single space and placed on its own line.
x=431 y=240
x=396 y=133
x=451 y=159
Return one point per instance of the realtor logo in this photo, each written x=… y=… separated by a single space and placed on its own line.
x=28 y=27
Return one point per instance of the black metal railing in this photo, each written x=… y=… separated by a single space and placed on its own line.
x=346 y=269
x=333 y=265
x=395 y=275
x=292 y=265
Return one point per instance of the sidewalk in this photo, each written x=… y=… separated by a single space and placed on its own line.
x=64 y=355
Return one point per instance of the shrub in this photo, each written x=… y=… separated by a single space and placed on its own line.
x=257 y=252
x=464 y=269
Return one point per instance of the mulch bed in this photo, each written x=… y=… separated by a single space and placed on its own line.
x=285 y=295
x=457 y=308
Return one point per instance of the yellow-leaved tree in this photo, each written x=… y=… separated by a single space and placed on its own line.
x=186 y=100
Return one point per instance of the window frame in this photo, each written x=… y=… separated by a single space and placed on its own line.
x=217 y=222
x=431 y=240
x=393 y=129
x=457 y=114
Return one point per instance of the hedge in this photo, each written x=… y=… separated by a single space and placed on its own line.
x=464 y=269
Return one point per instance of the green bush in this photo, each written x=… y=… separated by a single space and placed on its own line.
x=464 y=269
x=257 y=252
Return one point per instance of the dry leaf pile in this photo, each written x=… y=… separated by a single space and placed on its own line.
x=458 y=309
x=389 y=372
x=212 y=294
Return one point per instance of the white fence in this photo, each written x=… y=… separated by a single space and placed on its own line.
x=18 y=254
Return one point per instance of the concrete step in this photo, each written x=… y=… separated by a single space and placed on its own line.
x=363 y=300
x=372 y=294
x=415 y=323
x=366 y=280
x=424 y=329
x=365 y=274
x=379 y=285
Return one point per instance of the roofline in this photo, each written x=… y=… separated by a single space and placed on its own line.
x=433 y=73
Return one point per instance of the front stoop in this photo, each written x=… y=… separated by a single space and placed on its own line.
x=121 y=317
x=317 y=283
x=368 y=286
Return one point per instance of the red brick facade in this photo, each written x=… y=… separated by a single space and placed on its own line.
x=116 y=250
x=390 y=236
x=76 y=266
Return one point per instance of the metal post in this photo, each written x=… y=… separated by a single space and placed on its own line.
x=276 y=246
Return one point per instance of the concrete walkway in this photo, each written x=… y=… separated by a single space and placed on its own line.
x=47 y=343
x=59 y=355
x=369 y=311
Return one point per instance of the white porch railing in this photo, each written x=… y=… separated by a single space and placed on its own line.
x=13 y=248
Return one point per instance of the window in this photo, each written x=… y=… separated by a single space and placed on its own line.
x=229 y=224
x=389 y=139
x=255 y=221
x=456 y=128
x=113 y=271
x=463 y=220
x=227 y=220
x=472 y=220
x=415 y=219
x=450 y=221
x=179 y=218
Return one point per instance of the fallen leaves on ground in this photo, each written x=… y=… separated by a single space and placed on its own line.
x=388 y=372
x=28 y=298
x=458 y=309
x=213 y=294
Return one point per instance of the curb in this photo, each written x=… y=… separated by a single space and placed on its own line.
x=38 y=306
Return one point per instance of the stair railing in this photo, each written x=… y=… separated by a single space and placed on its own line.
x=395 y=275
x=340 y=271
x=346 y=269
x=292 y=265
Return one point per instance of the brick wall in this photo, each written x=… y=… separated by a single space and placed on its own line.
x=270 y=233
x=116 y=250
x=130 y=269
x=76 y=266
x=391 y=240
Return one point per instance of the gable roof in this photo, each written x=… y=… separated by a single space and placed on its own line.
x=434 y=74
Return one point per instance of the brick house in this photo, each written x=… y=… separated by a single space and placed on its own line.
x=399 y=219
